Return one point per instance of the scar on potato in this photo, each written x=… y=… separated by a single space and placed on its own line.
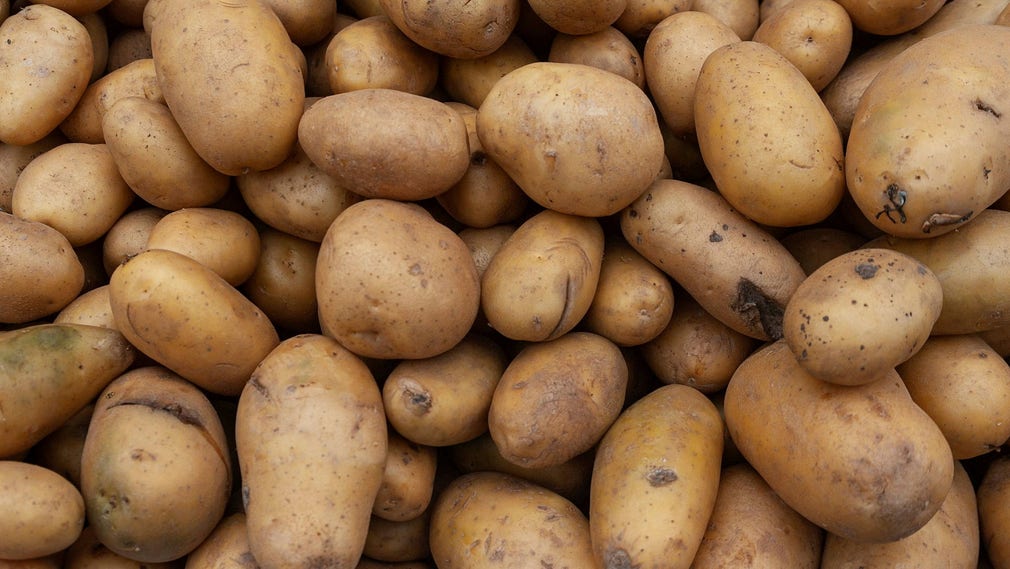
x=660 y=477
x=617 y=558
x=758 y=310
x=866 y=270
x=941 y=219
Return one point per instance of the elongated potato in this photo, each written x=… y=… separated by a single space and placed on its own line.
x=655 y=479
x=311 y=440
x=48 y=373
x=735 y=269
x=43 y=512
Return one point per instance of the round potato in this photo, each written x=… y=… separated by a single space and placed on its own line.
x=814 y=35
x=374 y=54
x=468 y=80
x=468 y=30
x=43 y=512
x=606 y=49
x=394 y=283
x=45 y=67
x=92 y=308
x=382 y=143
x=577 y=139
x=221 y=240
x=128 y=236
x=284 y=283
x=576 y=17
x=136 y=79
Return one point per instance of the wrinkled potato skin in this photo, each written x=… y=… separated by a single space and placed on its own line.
x=473 y=29
x=808 y=439
x=43 y=512
x=136 y=79
x=655 y=479
x=814 y=35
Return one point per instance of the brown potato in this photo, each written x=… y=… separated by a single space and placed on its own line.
x=814 y=246
x=128 y=236
x=814 y=35
x=993 y=495
x=14 y=158
x=221 y=240
x=468 y=80
x=374 y=54
x=471 y=29
x=485 y=243
x=136 y=79
x=130 y=13
x=742 y=16
x=397 y=542
x=43 y=512
x=306 y=21
x=92 y=308
x=99 y=32
x=407 y=480
x=227 y=547
x=640 y=16
x=576 y=17
x=126 y=47
x=606 y=49
x=62 y=449
x=89 y=553
x=284 y=283
x=890 y=18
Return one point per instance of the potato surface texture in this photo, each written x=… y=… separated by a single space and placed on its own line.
x=43 y=512
x=311 y=440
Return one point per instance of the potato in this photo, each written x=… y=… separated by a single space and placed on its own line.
x=44 y=70
x=634 y=300
x=220 y=240
x=306 y=21
x=890 y=18
x=993 y=494
x=14 y=158
x=407 y=480
x=861 y=314
x=557 y=398
x=674 y=53
x=579 y=18
x=750 y=522
x=863 y=462
x=970 y=263
x=393 y=283
x=283 y=285
x=44 y=513
x=40 y=271
x=155 y=470
x=89 y=553
x=92 y=308
x=395 y=542
x=184 y=316
x=696 y=349
x=444 y=400
x=513 y=521
x=128 y=236
x=606 y=49
x=237 y=122
x=587 y=143
x=373 y=53
x=485 y=196
x=311 y=440
x=542 y=280
x=814 y=35
x=130 y=13
x=485 y=243
x=227 y=547
x=126 y=47
x=99 y=32
x=640 y=16
x=815 y=246
x=468 y=80
x=772 y=147
x=155 y=158
x=381 y=143
x=735 y=269
x=949 y=539
x=48 y=373
x=964 y=385
x=74 y=188
x=742 y=17
x=61 y=450
x=137 y=79
x=468 y=30
x=655 y=479
x=935 y=186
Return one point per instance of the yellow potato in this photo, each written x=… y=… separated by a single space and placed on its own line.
x=655 y=479
x=306 y=21
x=126 y=47
x=607 y=49
x=398 y=542
x=471 y=29
x=468 y=80
x=485 y=243
x=373 y=53
x=815 y=246
x=136 y=79
x=284 y=283
x=128 y=236
x=62 y=449
x=99 y=32
x=407 y=480
x=742 y=16
x=890 y=18
x=44 y=69
x=89 y=553
x=43 y=512
x=640 y=16
x=814 y=35
x=14 y=158
x=227 y=547
x=311 y=440
x=220 y=240
x=576 y=17
x=92 y=308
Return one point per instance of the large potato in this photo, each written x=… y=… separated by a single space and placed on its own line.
x=907 y=180
x=466 y=30
x=43 y=512
x=392 y=282
x=45 y=67
x=655 y=479
x=311 y=440
x=768 y=140
x=863 y=462
x=577 y=139
x=237 y=122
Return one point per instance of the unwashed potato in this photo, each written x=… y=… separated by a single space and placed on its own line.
x=126 y=47
x=890 y=18
x=130 y=13
x=221 y=240
x=43 y=512
x=136 y=79
x=283 y=285
x=579 y=17
x=468 y=80
x=62 y=449
x=99 y=32
x=814 y=246
x=607 y=49
x=407 y=480
x=155 y=469
x=306 y=21
x=373 y=53
x=396 y=542
x=45 y=66
x=467 y=30
x=814 y=35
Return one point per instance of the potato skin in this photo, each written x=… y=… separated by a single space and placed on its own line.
x=283 y=285
x=814 y=35
x=374 y=53
x=227 y=547
x=607 y=49
x=407 y=480
x=863 y=462
x=655 y=479
x=137 y=79
x=993 y=495
x=468 y=30
x=469 y=80
x=221 y=240
x=43 y=512
x=293 y=483
x=890 y=18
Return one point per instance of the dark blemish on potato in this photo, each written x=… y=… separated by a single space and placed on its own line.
x=417 y=398
x=941 y=219
x=866 y=271
x=897 y=197
x=986 y=172
x=245 y=496
x=617 y=558
x=632 y=213
x=478 y=158
x=660 y=477
x=714 y=237
x=758 y=311
x=254 y=382
x=987 y=108
x=983 y=355
x=825 y=318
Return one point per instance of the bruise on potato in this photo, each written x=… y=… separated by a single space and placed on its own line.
x=758 y=309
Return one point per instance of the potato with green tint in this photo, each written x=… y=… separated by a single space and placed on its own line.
x=43 y=512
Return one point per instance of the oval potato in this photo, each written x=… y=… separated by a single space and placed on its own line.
x=814 y=35
x=221 y=240
x=890 y=18
x=43 y=512
x=373 y=53
x=467 y=30
x=606 y=49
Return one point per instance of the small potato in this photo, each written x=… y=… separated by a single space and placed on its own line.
x=468 y=80
x=126 y=47
x=964 y=385
x=542 y=280
x=184 y=316
x=14 y=158
x=306 y=21
x=640 y=16
x=742 y=16
x=696 y=349
x=815 y=246
x=45 y=66
x=557 y=398
x=43 y=512
x=227 y=547
x=393 y=283
x=861 y=314
x=155 y=158
x=382 y=143
x=128 y=236
x=92 y=308
x=40 y=271
x=397 y=542
x=521 y=522
x=221 y=240
x=578 y=17
x=468 y=30
x=155 y=470
x=74 y=188
x=587 y=143
x=136 y=79
x=62 y=449
x=890 y=18
x=634 y=300
x=485 y=243
x=407 y=480
x=89 y=553
x=750 y=521
x=444 y=400
x=374 y=54
x=814 y=35
x=284 y=283
x=606 y=49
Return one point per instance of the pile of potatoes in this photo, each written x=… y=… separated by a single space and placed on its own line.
x=504 y=283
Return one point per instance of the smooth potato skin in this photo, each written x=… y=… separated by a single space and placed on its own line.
x=890 y=18
x=43 y=512
x=136 y=79
x=311 y=439
x=468 y=30
x=221 y=240
x=655 y=479
x=808 y=439
x=814 y=35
